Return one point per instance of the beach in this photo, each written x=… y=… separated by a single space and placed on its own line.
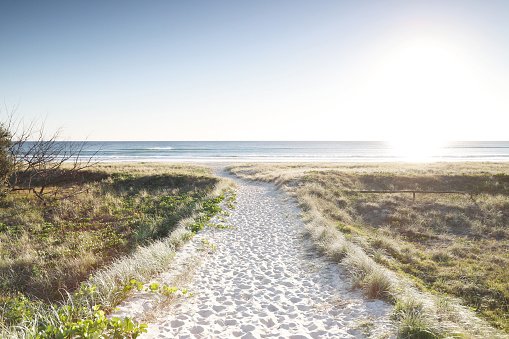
x=287 y=250
x=262 y=280
x=254 y=169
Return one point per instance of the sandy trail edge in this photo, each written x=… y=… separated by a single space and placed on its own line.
x=263 y=281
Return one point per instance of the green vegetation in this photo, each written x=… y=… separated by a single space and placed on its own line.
x=124 y=224
x=154 y=287
x=6 y=161
x=420 y=255
x=98 y=327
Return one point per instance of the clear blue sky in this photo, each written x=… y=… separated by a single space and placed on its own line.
x=259 y=70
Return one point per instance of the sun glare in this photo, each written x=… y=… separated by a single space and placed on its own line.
x=427 y=70
x=417 y=150
x=426 y=76
x=418 y=89
x=430 y=80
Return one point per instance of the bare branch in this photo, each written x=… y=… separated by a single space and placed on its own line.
x=41 y=160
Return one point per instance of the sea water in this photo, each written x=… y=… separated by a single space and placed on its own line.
x=292 y=151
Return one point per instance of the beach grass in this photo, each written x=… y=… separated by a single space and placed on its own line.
x=124 y=222
x=441 y=258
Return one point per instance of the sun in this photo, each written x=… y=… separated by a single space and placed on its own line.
x=419 y=86
x=416 y=89
x=417 y=150
x=425 y=76
x=425 y=59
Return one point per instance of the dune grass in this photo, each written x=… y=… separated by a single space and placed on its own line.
x=124 y=223
x=429 y=256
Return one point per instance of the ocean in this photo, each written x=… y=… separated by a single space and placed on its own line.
x=294 y=151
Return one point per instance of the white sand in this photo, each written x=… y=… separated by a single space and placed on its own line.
x=263 y=281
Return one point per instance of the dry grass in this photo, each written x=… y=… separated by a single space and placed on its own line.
x=398 y=249
x=48 y=248
x=124 y=223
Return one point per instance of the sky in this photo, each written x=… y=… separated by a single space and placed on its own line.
x=409 y=71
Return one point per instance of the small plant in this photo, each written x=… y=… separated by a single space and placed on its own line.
x=378 y=285
x=366 y=326
x=232 y=198
x=98 y=327
x=221 y=226
x=155 y=288
x=412 y=320
x=165 y=290
x=15 y=310
x=207 y=247
x=196 y=226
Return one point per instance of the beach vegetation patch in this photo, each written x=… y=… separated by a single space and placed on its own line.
x=427 y=230
x=83 y=250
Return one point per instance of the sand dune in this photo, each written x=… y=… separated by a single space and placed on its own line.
x=263 y=281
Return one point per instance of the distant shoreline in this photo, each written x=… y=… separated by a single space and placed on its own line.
x=295 y=152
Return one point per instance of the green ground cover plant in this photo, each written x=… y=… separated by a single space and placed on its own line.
x=124 y=224
x=451 y=247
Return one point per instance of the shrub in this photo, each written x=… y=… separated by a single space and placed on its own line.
x=6 y=161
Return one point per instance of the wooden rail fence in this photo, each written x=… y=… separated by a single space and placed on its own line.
x=421 y=192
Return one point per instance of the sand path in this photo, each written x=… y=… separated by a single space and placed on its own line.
x=263 y=281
